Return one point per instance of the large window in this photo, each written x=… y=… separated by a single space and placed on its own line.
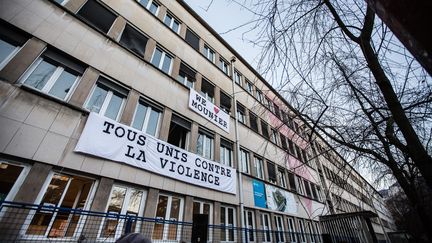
x=65 y=191
x=187 y=75
x=224 y=66
x=244 y=160
x=133 y=40
x=253 y=121
x=292 y=230
x=279 y=229
x=281 y=177
x=127 y=201
x=162 y=60
x=271 y=169
x=249 y=218
x=107 y=99
x=11 y=176
x=258 y=167
x=192 y=39
x=207 y=90
x=146 y=118
x=205 y=144
x=266 y=227
x=228 y=222
x=151 y=5
x=168 y=208
x=241 y=113
x=172 y=22
x=225 y=102
x=179 y=132
x=54 y=74
x=226 y=153
x=292 y=181
x=97 y=15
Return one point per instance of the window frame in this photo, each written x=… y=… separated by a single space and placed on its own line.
x=209 y=53
x=149 y=3
x=281 y=177
x=224 y=66
x=241 y=113
x=226 y=147
x=238 y=77
x=245 y=163
x=206 y=137
x=11 y=55
x=171 y=24
x=249 y=87
x=165 y=228
x=258 y=166
x=164 y=54
x=228 y=227
x=266 y=227
x=147 y=116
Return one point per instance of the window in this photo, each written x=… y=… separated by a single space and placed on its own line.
x=237 y=77
x=270 y=105
x=271 y=169
x=162 y=60
x=307 y=188
x=314 y=191
x=126 y=201
x=249 y=218
x=259 y=95
x=224 y=66
x=228 y=222
x=186 y=75
x=258 y=167
x=291 y=179
x=274 y=136
x=207 y=90
x=192 y=39
x=65 y=191
x=179 y=132
x=302 y=230
x=11 y=176
x=244 y=160
x=205 y=208
x=279 y=229
x=133 y=40
x=281 y=177
x=107 y=99
x=168 y=208
x=265 y=222
x=249 y=87
x=146 y=118
x=300 y=185
x=209 y=54
x=319 y=197
x=172 y=23
x=298 y=152
x=205 y=145
x=151 y=5
x=292 y=230
x=277 y=111
x=291 y=147
x=283 y=141
x=264 y=130
x=97 y=15
x=11 y=39
x=54 y=74
x=225 y=102
x=226 y=153
x=253 y=121
x=241 y=113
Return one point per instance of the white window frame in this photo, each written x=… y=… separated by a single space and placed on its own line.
x=311 y=232
x=204 y=144
x=207 y=52
x=227 y=225
x=51 y=81
x=241 y=116
x=173 y=19
x=245 y=162
x=259 y=96
x=266 y=228
x=106 y=102
x=228 y=153
x=147 y=117
x=210 y=217
x=237 y=77
x=167 y=217
x=10 y=56
x=281 y=175
x=150 y=2
x=292 y=230
x=161 y=61
x=18 y=182
x=280 y=228
x=119 y=227
x=259 y=167
x=274 y=136
x=249 y=224
x=224 y=66
x=249 y=87
x=302 y=232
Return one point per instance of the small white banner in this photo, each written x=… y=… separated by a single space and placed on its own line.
x=205 y=108
x=109 y=139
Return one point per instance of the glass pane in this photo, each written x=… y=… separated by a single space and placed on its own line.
x=153 y=8
x=153 y=122
x=114 y=107
x=206 y=209
x=200 y=144
x=134 y=202
x=175 y=26
x=196 y=207
x=115 y=206
x=156 y=57
x=8 y=176
x=63 y=85
x=167 y=20
x=97 y=99
x=166 y=64
x=160 y=214
x=144 y=2
x=139 y=116
x=5 y=50
x=174 y=215
x=39 y=77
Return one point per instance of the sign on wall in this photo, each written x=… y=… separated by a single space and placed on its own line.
x=205 y=108
x=259 y=194
x=280 y=200
x=109 y=139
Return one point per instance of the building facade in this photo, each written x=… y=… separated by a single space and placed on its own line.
x=158 y=79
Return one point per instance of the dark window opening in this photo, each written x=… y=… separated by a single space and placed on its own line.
x=283 y=142
x=253 y=121
x=308 y=191
x=277 y=111
x=241 y=113
x=225 y=102
x=179 y=132
x=97 y=15
x=207 y=90
x=271 y=172
x=133 y=40
x=264 y=129
x=291 y=179
x=192 y=39
x=186 y=75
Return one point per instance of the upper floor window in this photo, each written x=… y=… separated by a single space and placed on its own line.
x=146 y=118
x=225 y=102
x=274 y=136
x=209 y=53
x=271 y=169
x=192 y=39
x=237 y=77
x=186 y=75
x=277 y=111
x=253 y=121
x=244 y=160
x=151 y=5
x=205 y=145
x=179 y=132
x=270 y=105
x=133 y=40
x=207 y=90
x=11 y=39
x=249 y=87
x=291 y=180
x=281 y=177
x=107 y=99
x=97 y=15
x=224 y=66
x=54 y=74
x=172 y=22
x=258 y=167
x=283 y=141
x=264 y=130
x=162 y=60
x=241 y=113
x=226 y=153
x=259 y=96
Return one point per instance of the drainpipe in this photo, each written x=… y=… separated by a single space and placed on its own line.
x=240 y=169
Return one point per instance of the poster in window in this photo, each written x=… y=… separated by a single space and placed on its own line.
x=280 y=200
x=259 y=194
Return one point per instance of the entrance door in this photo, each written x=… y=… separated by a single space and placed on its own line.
x=204 y=208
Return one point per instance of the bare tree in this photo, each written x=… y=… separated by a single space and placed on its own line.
x=346 y=74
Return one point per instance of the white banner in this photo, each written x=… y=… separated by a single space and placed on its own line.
x=109 y=139
x=205 y=108
x=280 y=200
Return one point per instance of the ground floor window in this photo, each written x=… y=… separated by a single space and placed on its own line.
x=65 y=191
x=227 y=221
x=279 y=229
x=265 y=222
x=249 y=218
x=291 y=229
x=169 y=208
x=11 y=176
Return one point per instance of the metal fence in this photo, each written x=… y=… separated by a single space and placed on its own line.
x=20 y=222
